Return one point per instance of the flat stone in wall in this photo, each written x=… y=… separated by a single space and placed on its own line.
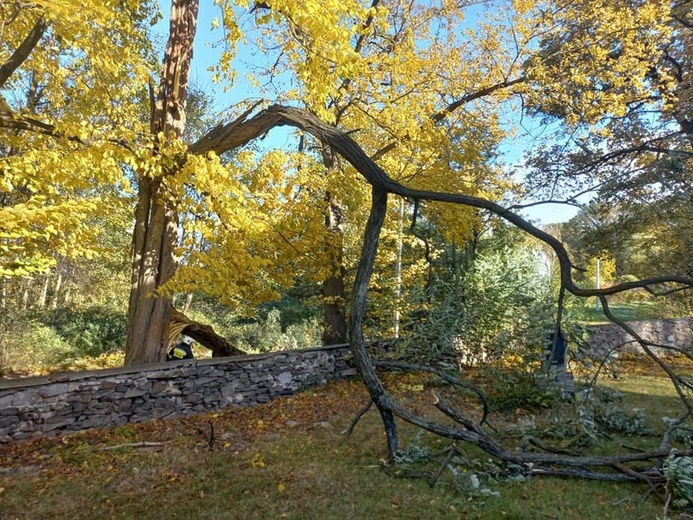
x=69 y=402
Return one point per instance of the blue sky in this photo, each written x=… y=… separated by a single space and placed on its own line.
x=206 y=53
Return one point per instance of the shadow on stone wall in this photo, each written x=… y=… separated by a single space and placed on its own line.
x=69 y=402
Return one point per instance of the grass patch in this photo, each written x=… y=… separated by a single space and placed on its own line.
x=287 y=459
x=636 y=311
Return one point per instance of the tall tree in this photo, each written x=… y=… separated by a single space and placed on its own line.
x=623 y=110
x=156 y=220
x=400 y=85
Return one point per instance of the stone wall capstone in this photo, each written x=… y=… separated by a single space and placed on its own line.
x=68 y=402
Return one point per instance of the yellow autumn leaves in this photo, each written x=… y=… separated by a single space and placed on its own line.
x=254 y=221
x=80 y=82
x=598 y=55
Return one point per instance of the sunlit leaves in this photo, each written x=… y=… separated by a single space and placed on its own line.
x=599 y=57
x=50 y=198
x=83 y=78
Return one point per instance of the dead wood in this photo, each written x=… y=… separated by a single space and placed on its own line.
x=203 y=334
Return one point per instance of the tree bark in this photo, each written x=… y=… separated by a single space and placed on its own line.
x=44 y=293
x=156 y=220
x=333 y=287
x=22 y=52
x=188 y=302
x=203 y=334
x=357 y=312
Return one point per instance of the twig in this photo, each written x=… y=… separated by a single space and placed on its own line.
x=550 y=449
x=586 y=474
x=635 y=448
x=451 y=453
x=211 y=438
x=356 y=419
x=675 y=425
x=145 y=444
x=635 y=474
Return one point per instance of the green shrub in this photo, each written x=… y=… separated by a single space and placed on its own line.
x=679 y=473
x=263 y=334
x=500 y=307
x=511 y=390
x=92 y=331
x=35 y=348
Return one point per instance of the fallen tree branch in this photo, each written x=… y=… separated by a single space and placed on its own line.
x=448 y=458
x=456 y=415
x=144 y=444
x=411 y=367
x=356 y=419
x=550 y=449
x=582 y=473
x=203 y=334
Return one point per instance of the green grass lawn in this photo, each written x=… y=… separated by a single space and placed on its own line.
x=624 y=311
x=287 y=459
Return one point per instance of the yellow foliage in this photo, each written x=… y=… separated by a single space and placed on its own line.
x=597 y=57
x=255 y=222
x=90 y=65
x=607 y=268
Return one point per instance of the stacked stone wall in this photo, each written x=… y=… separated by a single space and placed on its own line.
x=677 y=333
x=68 y=402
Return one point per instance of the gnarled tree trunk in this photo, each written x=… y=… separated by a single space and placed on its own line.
x=156 y=220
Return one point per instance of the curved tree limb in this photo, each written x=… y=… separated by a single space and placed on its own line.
x=357 y=418
x=241 y=131
x=224 y=138
x=203 y=334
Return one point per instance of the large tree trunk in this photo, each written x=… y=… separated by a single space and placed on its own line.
x=333 y=287
x=152 y=265
x=156 y=220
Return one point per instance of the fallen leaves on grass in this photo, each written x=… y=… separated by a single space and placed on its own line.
x=238 y=428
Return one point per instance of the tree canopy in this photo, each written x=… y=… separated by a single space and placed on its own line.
x=407 y=99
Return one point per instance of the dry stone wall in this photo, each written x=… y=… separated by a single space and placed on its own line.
x=69 y=402
x=63 y=403
x=668 y=333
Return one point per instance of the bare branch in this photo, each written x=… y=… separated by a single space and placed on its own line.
x=145 y=444
x=356 y=419
x=22 y=52
x=398 y=365
x=439 y=116
x=676 y=379
x=14 y=121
